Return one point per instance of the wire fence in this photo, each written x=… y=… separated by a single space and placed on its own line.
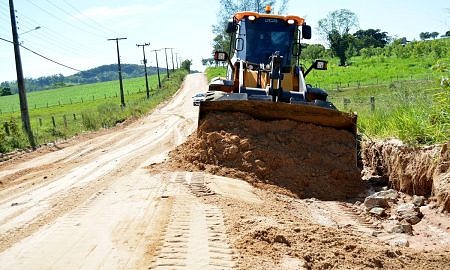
x=375 y=81
x=66 y=101
x=381 y=101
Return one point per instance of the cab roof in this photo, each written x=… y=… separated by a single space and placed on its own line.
x=241 y=15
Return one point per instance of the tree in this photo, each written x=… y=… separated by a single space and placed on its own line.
x=228 y=7
x=371 y=38
x=335 y=28
x=424 y=35
x=313 y=51
x=186 y=64
x=447 y=34
x=434 y=35
x=6 y=91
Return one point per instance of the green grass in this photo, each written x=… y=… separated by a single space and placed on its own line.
x=77 y=94
x=372 y=71
x=88 y=115
x=212 y=72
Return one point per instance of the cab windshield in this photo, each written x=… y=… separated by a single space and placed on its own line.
x=266 y=36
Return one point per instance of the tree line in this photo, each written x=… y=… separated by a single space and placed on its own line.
x=99 y=74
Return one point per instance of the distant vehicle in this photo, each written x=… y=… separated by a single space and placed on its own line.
x=198 y=98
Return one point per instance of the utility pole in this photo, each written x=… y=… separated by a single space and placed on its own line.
x=167 y=62
x=145 y=66
x=157 y=66
x=173 y=66
x=176 y=58
x=20 y=81
x=122 y=97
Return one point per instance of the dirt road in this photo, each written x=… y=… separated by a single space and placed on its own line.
x=97 y=202
x=94 y=205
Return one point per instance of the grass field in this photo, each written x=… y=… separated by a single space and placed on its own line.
x=77 y=94
x=375 y=70
x=71 y=118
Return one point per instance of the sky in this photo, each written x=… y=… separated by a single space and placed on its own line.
x=75 y=33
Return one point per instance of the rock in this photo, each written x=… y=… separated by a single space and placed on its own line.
x=357 y=203
x=409 y=212
x=375 y=201
x=390 y=194
x=418 y=200
x=378 y=211
x=399 y=242
x=402 y=227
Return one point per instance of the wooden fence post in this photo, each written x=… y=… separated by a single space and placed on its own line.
x=5 y=125
x=53 y=122
x=65 y=121
x=372 y=104
x=40 y=122
x=74 y=117
x=346 y=101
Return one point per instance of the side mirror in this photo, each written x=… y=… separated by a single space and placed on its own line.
x=306 y=31
x=320 y=65
x=231 y=27
x=220 y=56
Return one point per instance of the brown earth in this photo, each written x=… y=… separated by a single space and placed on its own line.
x=280 y=234
x=414 y=170
x=307 y=160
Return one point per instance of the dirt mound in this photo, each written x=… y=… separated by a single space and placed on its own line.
x=414 y=170
x=308 y=160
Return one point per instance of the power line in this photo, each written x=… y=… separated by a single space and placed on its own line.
x=55 y=36
x=100 y=27
x=40 y=55
x=58 y=19
x=71 y=15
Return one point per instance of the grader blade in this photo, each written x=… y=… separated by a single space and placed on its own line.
x=268 y=111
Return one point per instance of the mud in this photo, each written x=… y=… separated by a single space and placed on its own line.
x=307 y=160
x=414 y=170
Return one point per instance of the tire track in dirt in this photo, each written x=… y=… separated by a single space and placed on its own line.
x=195 y=237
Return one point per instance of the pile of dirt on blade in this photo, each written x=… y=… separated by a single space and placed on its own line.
x=308 y=160
x=413 y=170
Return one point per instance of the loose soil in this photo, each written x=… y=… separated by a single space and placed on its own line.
x=307 y=160
x=288 y=161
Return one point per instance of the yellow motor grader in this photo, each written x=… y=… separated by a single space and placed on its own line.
x=265 y=78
